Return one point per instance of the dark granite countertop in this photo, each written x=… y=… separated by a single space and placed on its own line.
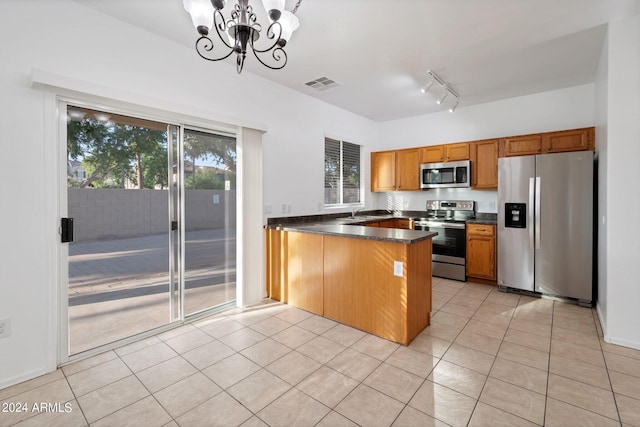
x=484 y=218
x=355 y=228
x=482 y=221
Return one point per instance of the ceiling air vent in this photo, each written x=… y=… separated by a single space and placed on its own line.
x=322 y=83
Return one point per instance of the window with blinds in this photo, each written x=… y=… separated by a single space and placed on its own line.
x=341 y=173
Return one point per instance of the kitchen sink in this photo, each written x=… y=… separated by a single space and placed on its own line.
x=358 y=218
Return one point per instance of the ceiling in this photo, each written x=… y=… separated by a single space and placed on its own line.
x=380 y=51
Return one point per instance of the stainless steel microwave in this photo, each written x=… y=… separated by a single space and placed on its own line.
x=445 y=175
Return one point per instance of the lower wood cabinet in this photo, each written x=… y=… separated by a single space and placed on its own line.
x=481 y=252
x=353 y=281
x=295 y=272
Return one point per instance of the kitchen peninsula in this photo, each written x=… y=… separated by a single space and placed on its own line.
x=374 y=279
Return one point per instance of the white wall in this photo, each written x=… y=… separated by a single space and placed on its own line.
x=548 y=111
x=601 y=117
x=63 y=38
x=622 y=178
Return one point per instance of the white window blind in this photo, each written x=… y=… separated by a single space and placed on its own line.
x=341 y=172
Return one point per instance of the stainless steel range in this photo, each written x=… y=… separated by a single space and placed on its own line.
x=448 y=218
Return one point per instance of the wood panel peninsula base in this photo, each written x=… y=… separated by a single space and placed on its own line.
x=351 y=279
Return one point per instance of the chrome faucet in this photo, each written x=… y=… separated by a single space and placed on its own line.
x=354 y=211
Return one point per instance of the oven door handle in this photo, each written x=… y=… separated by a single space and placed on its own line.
x=442 y=225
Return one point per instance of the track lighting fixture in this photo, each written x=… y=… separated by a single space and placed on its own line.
x=446 y=90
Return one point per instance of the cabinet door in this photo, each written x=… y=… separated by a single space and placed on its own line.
x=455 y=152
x=432 y=154
x=481 y=251
x=276 y=262
x=484 y=164
x=521 y=145
x=408 y=170
x=305 y=271
x=568 y=140
x=383 y=171
x=481 y=256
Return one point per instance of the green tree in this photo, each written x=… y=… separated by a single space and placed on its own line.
x=113 y=153
x=220 y=149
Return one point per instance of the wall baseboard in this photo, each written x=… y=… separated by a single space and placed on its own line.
x=24 y=377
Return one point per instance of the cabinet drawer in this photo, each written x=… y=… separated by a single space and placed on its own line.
x=481 y=229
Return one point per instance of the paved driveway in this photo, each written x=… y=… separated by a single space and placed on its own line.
x=120 y=287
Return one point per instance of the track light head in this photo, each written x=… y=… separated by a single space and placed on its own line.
x=426 y=88
x=453 y=107
x=439 y=101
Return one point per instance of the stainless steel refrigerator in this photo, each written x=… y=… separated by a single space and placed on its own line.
x=545 y=224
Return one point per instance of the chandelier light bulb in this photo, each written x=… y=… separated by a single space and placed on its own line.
x=201 y=12
x=274 y=8
x=289 y=23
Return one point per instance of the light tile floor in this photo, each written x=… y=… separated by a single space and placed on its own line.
x=488 y=359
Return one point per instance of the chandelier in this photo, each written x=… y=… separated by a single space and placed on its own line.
x=241 y=31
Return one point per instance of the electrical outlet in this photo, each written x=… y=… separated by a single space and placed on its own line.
x=288 y=208
x=492 y=205
x=5 y=328
x=284 y=208
x=398 y=268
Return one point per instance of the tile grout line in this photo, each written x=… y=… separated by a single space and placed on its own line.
x=613 y=393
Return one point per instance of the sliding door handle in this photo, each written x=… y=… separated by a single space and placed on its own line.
x=66 y=230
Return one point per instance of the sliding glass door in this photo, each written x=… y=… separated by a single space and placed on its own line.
x=209 y=162
x=152 y=210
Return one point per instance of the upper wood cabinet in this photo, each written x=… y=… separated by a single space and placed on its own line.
x=456 y=152
x=550 y=142
x=445 y=153
x=432 y=154
x=395 y=170
x=484 y=164
x=569 y=140
x=408 y=170
x=383 y=171
x=521 y=145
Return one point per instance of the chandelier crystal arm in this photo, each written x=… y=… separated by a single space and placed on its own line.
x=221 y=26
x=204 y=45
x=279 y=56
x=271 y=36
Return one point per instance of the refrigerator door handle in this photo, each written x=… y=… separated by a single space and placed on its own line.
x=537 y=231
x=529 y=220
